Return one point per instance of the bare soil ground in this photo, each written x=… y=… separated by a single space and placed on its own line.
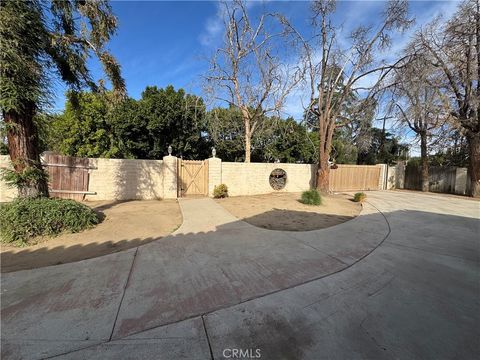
x=125 y=224
x=283 y=211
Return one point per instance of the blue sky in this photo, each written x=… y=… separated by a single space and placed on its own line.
x=169 y=42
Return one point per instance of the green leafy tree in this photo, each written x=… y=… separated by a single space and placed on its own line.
x=226 y=133
x=84 y=129
x=344 y=150
x=285 y=141
x=384 y=148
x=40 y=42
x=130 y=130
x=174 y=118
x=94 y=126
x=276 y=140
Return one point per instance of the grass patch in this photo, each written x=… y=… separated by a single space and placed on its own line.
x=311 y=197
x=25 y=218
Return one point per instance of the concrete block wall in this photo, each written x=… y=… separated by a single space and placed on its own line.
x=125 y=179
x=7 y=193
x=253 y=178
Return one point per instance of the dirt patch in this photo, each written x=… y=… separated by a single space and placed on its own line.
x=283 y=211
x=125 y=225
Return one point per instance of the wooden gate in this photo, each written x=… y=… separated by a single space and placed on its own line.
x=67 y=176
x=192 y=178
x=355 y=177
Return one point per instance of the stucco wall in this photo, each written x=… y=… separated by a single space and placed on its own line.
x=125 y=179
x=253 y=178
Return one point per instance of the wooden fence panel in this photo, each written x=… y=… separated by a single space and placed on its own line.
x=441 y=179
x=355 y=177
x=67 y=176
x=413 y=178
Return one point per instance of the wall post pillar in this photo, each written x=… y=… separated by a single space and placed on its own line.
x=214 y=174
x=461 y=178
x=170 y=175
x=400 y=175
x=382 y=181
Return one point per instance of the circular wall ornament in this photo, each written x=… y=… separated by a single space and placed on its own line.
x=278 y=179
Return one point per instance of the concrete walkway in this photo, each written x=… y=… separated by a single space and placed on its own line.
x=399 y=281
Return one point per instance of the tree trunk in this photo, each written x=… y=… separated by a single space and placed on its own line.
x=474 y=165
x=323 y=172
x=248 y=134
x=424 y=157
x=23 y=150
x=248 y=146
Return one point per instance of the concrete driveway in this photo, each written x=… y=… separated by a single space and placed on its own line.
x=400 y=281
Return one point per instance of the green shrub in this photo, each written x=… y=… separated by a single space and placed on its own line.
x=220 y=191
x=25 y=218
x=24 y=180
x=311 y=197
x=359 y=197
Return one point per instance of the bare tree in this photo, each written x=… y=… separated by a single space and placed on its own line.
x=247 y=72
x=334 y=72
x=420 y=104
x=454 y=49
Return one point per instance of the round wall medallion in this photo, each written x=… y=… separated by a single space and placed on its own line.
x=278 y=179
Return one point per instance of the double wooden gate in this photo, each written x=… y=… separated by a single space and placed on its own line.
x=355 y=177
x=192 y=178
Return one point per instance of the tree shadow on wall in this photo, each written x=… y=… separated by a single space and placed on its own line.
x=138 y=179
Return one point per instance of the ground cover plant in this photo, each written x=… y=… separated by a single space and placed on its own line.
x=25 y=218
x=311 y=197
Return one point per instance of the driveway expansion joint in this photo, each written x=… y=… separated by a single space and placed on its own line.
x=207 y=337
x=123 y=294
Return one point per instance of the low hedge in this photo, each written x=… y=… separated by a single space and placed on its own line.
x=25 y=218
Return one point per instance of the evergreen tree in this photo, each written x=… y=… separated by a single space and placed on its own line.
x=39 y=42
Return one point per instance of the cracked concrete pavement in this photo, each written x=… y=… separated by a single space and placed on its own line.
x=399 y=281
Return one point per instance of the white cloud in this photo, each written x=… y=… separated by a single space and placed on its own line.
x=213 y=29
